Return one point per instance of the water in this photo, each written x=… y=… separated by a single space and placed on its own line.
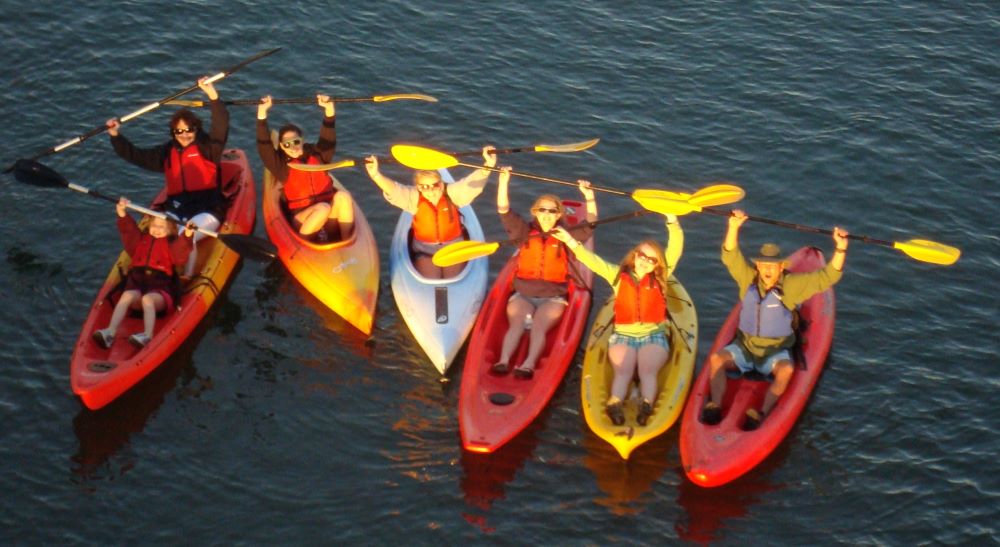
x=278 y=422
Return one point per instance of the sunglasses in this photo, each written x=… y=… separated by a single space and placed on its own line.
x=179 y=131
x=649 y=259
x=291 y=142
x=428 y=187
x=546 y=210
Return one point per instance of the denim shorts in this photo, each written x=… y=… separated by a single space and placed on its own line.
x=636 y=342
x=746 y=363
x=539 y=300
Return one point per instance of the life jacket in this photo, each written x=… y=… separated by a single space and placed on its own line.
x=437 y=223
x=543 y=258
x=187 y=170
x=153 y=253
x=766 y=317
x=303 y=188
x=639 y=301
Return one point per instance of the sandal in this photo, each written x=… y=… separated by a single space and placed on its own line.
x=140 y=339
x=615 y=412
x=645 y=411
x=104 y=338
x=524 y=373
x=753 y=420
x=500 y=368
x=711 y=414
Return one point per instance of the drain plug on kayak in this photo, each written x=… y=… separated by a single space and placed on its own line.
x=501 y=399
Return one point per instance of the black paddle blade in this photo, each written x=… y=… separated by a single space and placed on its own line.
x=249 y=246
x=36 y=174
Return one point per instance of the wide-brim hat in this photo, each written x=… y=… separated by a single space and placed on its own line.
x=769 y=252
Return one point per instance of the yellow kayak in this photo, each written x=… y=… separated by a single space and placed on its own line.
x=674 y=378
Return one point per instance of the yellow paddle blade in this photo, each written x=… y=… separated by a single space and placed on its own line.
x=418 y=157
x=929 y=251
x=322 y=166
x=571 y=147
x=717 y=194
x=187 y=103
x=411 y=96
x=463 y=251
x=665 y=202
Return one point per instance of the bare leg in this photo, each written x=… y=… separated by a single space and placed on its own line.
x=517 y=312
x=652 y=357
x=623 y=360
x=151 y=303
x=782 y=371
x=121 y=308
x=546 y=316
x=312 y=218
x=342 y=209
x=426 y=267
x=717 y=364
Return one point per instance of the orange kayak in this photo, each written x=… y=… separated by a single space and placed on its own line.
x=343 y=275
x=99 y=375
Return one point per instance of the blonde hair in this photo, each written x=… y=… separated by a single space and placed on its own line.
x=550 y=197
x=659 y=271
x=426 y=173
x=171 y=225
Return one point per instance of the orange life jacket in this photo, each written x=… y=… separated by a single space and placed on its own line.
x=187 y=170
x=639 y=302
x=437 y=223
x=303 y=188
x=153 y=253
x=544 y=258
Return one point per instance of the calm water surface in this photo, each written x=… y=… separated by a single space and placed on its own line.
x=277 y=422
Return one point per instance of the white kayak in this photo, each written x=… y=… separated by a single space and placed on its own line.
x=439 y=312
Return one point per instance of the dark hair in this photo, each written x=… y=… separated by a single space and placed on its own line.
x=190 y=118
x=308 y=149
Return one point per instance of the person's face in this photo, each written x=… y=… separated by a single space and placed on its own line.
x=158 y=228
x=429 y=186
x=645 y=261
x=770 y=272
x=291 y=143
x=546 y=213
x=183 y=133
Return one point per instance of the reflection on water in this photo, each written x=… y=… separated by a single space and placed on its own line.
x=708 y=509
x=623 y=482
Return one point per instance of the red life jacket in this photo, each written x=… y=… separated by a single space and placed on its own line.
x=153 y=253
x=437 y=223
x=543 y=258
x=639 y=302
x=303 y=188
x=187 y=170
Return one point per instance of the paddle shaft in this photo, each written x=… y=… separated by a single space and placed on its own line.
x=545 y=179
x=137 y=208
x=800 y=227
x=153 y=106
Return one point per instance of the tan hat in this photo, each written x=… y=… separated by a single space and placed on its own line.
x=769 y=252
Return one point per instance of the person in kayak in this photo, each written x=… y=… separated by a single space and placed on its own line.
x=544 y=272
x=639 y=342
x=151 y=282
x=767 y=319
x=191 y=164
x=434 y=205
x=313 y=198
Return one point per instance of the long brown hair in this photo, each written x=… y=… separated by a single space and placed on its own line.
x=659 y=271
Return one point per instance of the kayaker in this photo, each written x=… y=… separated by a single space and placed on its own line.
x=435 y=209
x=640 y=339
x=151 y=282
x=312 y=198
x=767 y=319
x=544 y=272
x=190 y=162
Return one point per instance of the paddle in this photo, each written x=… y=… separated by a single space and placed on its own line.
x=311 y=100
x=150 y=107
x=551 y=148
x=658 y=201
x=34 y=173
x=463 y=251
x=919 y=249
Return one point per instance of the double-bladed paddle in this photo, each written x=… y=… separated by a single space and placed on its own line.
x=463 y=251
x=919 y=249
x=311 y=100
x=152 y=106
x=34 y=173
x=548 y=148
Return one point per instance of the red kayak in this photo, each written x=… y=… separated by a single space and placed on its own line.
x=493 y=409
x=714 y=455
x=100 y=375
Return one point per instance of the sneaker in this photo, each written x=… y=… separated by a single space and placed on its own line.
x=645 y=411
x=711 y=414
x=524 y=373
x=616 y=413
x=104 y=338
x=139 y=339
x=753 y=420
